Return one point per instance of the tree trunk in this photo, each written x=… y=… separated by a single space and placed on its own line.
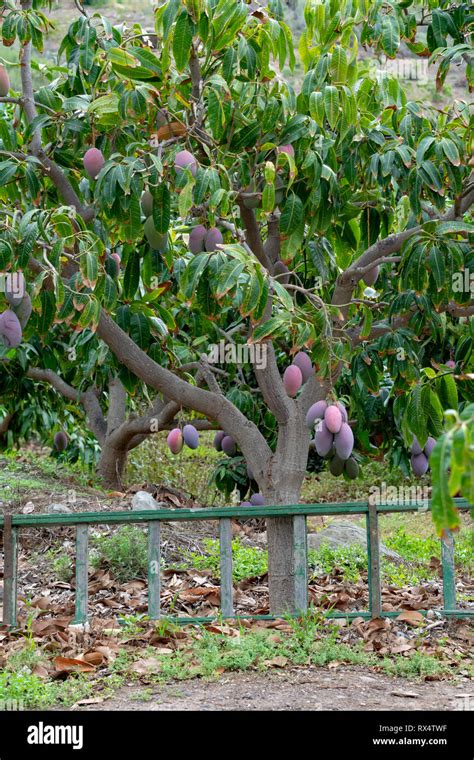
x=283 y=486
x=112 y=465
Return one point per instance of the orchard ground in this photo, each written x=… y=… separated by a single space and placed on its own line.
x=127 y=662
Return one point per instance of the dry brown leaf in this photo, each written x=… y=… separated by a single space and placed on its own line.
x=173 y=129
x=94 y=658
x=133 y=585
x=42 y=602
x=412 y=617
x=72 y=665
x=146 y=666
x=91 y=701
x=402 y=647
x=40 y=671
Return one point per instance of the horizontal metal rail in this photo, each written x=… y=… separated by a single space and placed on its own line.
x=215 y=513
x=12 y=524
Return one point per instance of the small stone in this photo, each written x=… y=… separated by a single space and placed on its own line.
x=143 y=500
x=28 y=508
x=60 y=508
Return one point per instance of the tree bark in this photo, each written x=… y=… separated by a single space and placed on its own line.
x=283 y=486
x=112 y=465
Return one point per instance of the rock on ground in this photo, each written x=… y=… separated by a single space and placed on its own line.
x=344 y=533
x=144 y=500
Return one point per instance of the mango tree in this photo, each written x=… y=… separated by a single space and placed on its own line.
x=328 y=218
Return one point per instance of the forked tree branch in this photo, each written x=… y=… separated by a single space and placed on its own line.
x=382 y=249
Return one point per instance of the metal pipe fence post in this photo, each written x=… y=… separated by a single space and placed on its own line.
x=373 y=554
x=300 y=553
x=82 y=575
x=225 y=545
x=10 y=572
x=154 y=570
x=449 y=579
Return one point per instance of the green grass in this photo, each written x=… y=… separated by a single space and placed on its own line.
x=37 y=472
x=19 y=685
x=312 y=641
x=125 y=552
x=416 y=552
x=248 y=561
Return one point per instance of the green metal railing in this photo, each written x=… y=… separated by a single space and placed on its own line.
x=12 y=524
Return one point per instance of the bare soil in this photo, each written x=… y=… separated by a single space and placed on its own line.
x=308 y=688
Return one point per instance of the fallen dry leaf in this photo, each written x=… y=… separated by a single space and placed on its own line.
x=40 y=671
x=412 y=617
x=94 y=658
x=91 y=701
x=72 y=665
x=146 y=666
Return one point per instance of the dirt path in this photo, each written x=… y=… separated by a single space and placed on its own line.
x=298 y=689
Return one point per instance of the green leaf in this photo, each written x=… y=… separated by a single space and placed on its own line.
x=139 y=330
x=267 y=328
x=331 y=105
x=182 y=40
x=185 y=201
x=338 y=65
x=390 y=38
x=445 y=515
x=438 y=269
x=216 y=112
x=252 y=294
x=448 y=391
x=89 y=269
x=292 y=214
x=90 y=314
x=229 y=276
x=450 y=150
x=48 y=311
x=169 y=15
x=316 y=107
x=161 y=208
x=417 y=415
x=192 y=273
x=131 y=278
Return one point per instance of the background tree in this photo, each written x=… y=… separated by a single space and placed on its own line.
x=306 y=197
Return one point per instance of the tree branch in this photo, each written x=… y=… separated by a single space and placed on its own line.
x=212 y=405
x=56 y=174
x=117 y=405
x=88 y=399
x=272 y=245
x=348 y=280
x=252 y=235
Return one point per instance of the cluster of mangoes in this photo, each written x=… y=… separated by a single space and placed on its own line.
x=13 y=320
x=177 y=438
x=225 y=443
x=420 y=458
x=333 y=439
x=299 y=371
x=202 y=239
